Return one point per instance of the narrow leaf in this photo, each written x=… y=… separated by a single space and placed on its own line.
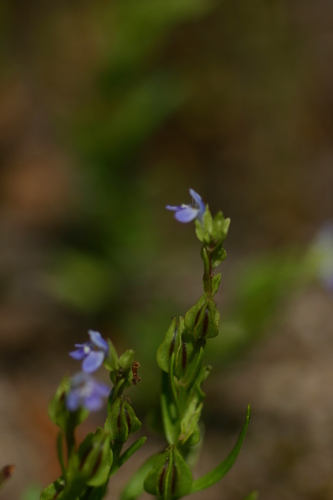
x=134 y=488
x=129 y=452
x=220 y=471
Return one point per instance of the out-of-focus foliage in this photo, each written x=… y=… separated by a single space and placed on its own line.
x=131 y=94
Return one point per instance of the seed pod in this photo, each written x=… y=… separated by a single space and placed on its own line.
x=121 y=421
x=95 y=458
x=171 y=477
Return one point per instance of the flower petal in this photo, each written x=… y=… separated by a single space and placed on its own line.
x=78 y=354
x=93 y=361
x=198 y=200
x=93 y=402
x=73 y=400
x=97 y=339
x=186 y=214
x=101 y=389
x=175 y=208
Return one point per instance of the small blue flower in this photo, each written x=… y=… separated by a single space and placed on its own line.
x=92 y=358
x=186 y=213
x=86 y=392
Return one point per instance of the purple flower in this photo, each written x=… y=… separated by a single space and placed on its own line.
x=86 y=392
x=93 y=353
x=186 y=213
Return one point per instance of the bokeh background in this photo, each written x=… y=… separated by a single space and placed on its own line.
x=109 y=110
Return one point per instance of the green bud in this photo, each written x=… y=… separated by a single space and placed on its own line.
x=121 y=421
x=126 y=360
x=220 y=227
x=212 y=232
x=171 y=477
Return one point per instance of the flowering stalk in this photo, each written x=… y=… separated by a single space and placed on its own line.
x=88 y=468
x=180 y=357
x=166 y=475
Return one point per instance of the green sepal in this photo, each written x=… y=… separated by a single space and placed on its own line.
x=169 y=345
x=191 y=317
x=211 y=231
x=58 y=412
x=204 y=228
x=111 y=362
x=171 y=477
x=206 y=319
x=95 y=458
x=53 y=490
x=216 y=283
x=220 y=227
x=121 y=421
x=220 y=471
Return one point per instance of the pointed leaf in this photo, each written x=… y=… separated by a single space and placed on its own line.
x=220 y=471
x=134 y=487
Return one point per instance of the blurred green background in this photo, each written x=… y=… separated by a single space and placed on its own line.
x=109 y=110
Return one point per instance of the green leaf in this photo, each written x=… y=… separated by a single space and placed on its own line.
x=134 y=487
x=218 y=255
x=220 y=471
x=216 y=283
x=129 y=452
x=167 y=408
